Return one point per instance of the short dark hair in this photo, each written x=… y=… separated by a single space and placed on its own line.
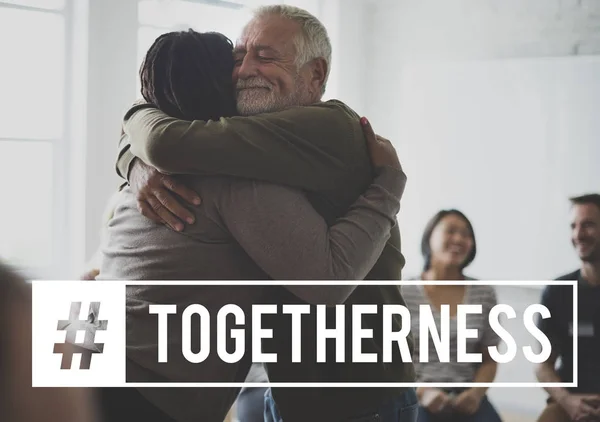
x=430 y=227
x=590 y=198
x=188 y=75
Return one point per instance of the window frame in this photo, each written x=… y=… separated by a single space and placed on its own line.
x=60 y=233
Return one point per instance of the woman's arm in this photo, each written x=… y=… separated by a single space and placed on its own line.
x=469 y=400
x=289 y=240
x=486 y=371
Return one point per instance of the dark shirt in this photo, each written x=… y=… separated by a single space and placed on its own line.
x=559 y=330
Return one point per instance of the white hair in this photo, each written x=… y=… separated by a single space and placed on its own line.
x=313 y=41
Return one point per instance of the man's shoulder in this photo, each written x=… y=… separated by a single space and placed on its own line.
x=332 y=108
x=575 y=275
x=340 y=106
x=560 y=289
x=557 y=292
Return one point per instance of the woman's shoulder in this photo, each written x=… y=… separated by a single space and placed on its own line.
x=482 y=293
x=411 y=293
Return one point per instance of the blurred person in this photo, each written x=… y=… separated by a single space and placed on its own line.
x=281 y=62
x=581 y=403
x=244 y=229
x=448 y=246
x=19 y=401
x=92 y=267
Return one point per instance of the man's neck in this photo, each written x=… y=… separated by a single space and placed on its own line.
x=590 y=272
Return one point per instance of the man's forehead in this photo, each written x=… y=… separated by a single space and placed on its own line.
x=581 y=212
x=268 y=33
x=243 y=48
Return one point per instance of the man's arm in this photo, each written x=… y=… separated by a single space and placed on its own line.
x=311 y=147
x=575 y=405
x=289 y=240
x=546 y=373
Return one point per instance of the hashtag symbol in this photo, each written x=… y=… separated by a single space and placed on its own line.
x=72 y=328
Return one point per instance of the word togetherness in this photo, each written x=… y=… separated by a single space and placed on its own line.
x=393 y=325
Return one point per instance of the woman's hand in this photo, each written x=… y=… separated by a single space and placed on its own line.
x=381 y=150
x=433 y=399
x=468 y=401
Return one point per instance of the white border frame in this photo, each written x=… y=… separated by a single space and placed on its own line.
x=572 y=283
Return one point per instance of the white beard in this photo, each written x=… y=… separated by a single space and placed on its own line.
x=259 y=97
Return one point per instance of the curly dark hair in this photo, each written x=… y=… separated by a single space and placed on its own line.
x=187 y=75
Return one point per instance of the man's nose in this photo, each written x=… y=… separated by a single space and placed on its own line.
x=247 y=68
x=578 y=233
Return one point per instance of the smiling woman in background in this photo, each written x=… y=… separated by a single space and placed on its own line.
x=448 y=247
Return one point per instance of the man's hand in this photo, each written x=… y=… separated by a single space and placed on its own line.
x=580 y=407
x=434 y=400
x=593 y=400
x=381 y=150
x=468 y=401
x=154 y=196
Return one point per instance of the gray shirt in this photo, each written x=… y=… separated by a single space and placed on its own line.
x=453 y=371
x=244 y=229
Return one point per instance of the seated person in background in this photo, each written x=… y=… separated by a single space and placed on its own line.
x=582 y=402
x=448 y=247
x=19 y=401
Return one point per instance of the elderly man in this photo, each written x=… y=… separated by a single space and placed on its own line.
x=282 y=61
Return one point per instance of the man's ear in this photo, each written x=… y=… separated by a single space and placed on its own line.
x=318 y=72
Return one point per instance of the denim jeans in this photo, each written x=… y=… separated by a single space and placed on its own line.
x=271 y=412
x=250 y=404
x=402 y=409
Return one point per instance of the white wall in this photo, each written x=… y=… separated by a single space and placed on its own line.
x=506 y=140
x=112 y=61
x=417 y=29
x=347 y=24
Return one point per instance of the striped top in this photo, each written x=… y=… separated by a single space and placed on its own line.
x=452 y=371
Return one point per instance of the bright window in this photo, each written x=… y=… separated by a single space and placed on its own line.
x=32 y=105
x=159 y=16
x=42 y=4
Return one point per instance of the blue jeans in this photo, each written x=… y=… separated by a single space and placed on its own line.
x=402 y=409
x=485 y=413
x=250 y=404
